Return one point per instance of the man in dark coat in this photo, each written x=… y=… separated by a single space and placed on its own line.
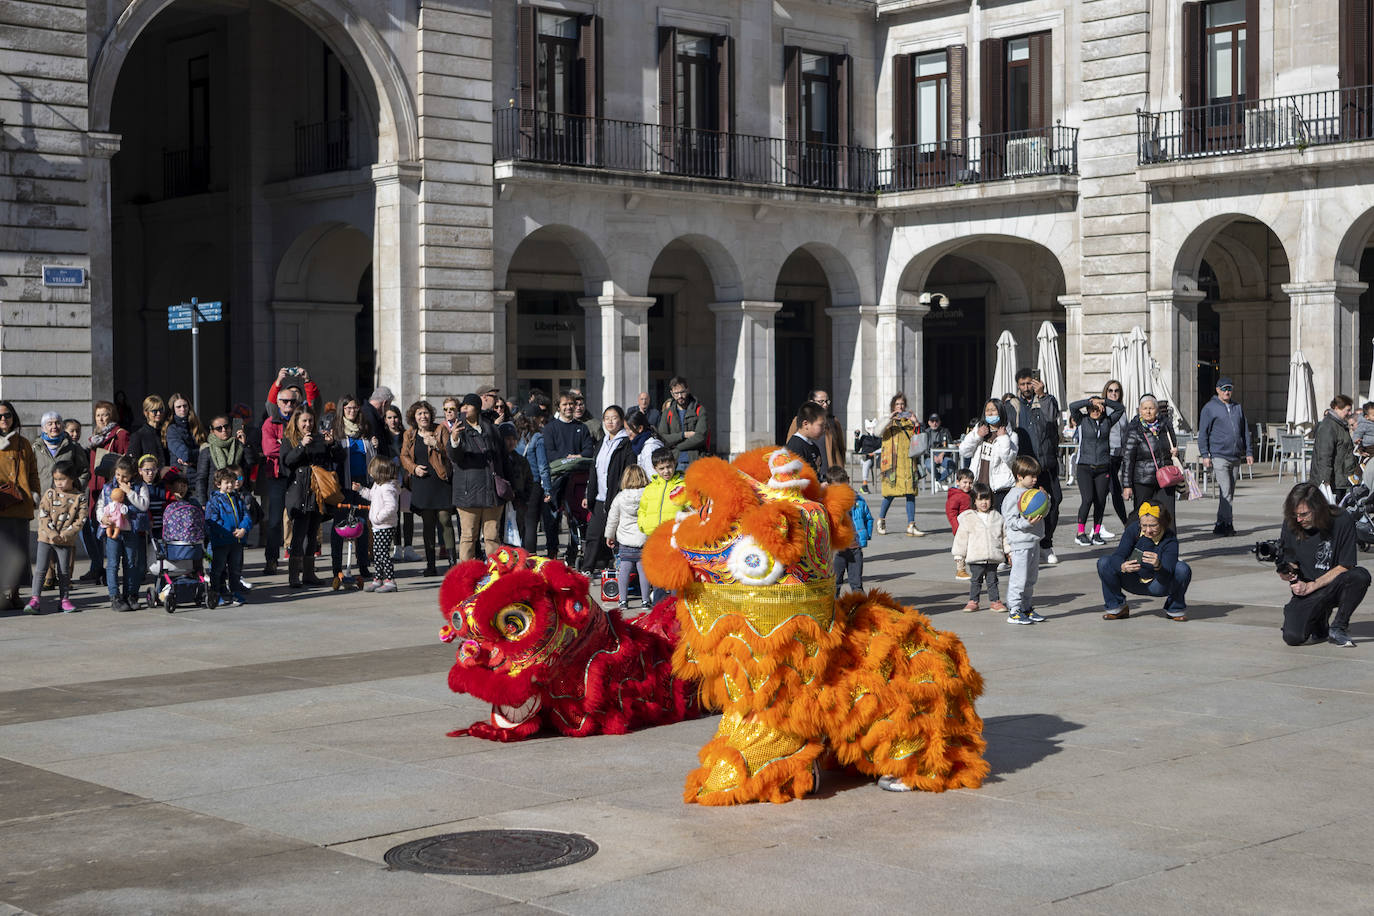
x=1037 y=435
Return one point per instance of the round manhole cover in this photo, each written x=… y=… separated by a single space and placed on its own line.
x=491 y=852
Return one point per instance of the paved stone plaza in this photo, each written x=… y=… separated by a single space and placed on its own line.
x=263 y=759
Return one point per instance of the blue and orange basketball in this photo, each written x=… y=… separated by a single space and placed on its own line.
x=1034 y=503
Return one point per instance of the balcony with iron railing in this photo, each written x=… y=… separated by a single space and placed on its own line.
x=325 y=146
x=1293 y=122
x=185 y=171
x=524 y=135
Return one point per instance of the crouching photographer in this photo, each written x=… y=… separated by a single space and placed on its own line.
x=1318 y=558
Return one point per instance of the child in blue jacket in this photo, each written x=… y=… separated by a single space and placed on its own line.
x=851 y=560
x=227 y=524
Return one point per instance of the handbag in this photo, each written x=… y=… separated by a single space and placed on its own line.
x=504 y=492
x=920 y=444
x=325 y=485
x=1167 y=476
x=10 y=495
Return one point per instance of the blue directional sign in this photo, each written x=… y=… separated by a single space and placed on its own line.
x=209 y=311
x=64 y=276
x=179 y=316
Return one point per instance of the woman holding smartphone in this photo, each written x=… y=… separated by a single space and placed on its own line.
x=1146 y=563
x=898 y=468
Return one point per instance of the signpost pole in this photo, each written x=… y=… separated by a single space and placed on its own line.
x=195 y=353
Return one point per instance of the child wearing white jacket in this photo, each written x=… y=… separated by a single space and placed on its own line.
x=622 y=525
x=386 y=498
x=981 y=544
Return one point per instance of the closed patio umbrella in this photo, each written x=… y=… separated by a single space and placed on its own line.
x=1004 y=373
x=1119 y=357
x=1302 y=397
x=1049 y=363
x=1135 y=380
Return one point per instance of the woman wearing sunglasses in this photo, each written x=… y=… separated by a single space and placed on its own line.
x=148 y=437
x=226 y=447
x=1112 y=393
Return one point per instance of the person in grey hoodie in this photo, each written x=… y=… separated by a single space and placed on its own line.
x=1223 y=439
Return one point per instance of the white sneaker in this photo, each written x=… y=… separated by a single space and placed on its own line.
x=1105 y=533
x=1048 y=558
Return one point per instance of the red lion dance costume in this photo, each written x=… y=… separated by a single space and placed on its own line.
x=795 y=671
x=533 y=644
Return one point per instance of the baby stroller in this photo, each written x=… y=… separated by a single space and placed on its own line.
x=179 y=573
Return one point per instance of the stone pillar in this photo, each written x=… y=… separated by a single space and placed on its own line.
x=745 y=375
x=1325 y=327
x=617 y=348
x=899 y=352
x=1173 y=343
x=99 y=150
x=502 y=351
x=1245 y=355
x=853 y=330
x=395 y=236
x=1075 y=374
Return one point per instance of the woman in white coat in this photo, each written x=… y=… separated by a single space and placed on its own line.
x=990 y=448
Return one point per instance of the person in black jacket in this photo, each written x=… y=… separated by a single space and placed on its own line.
x=477 y=457
x=1149 y=445
x=225 y=448
x=1146 y=563
x=1095 y=418
x=1036 y=421
x=1333 y=451
x=565 y=437
x=146 y=439
x=603 y=483
x=1320 y=560
x=303 y=450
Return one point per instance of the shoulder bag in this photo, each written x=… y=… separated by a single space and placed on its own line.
x=1167 y=476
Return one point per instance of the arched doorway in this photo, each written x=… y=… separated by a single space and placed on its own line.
x=975 y=290
x=241 y=127
x=801 y=335
x=682 y=329
x=1238 y=268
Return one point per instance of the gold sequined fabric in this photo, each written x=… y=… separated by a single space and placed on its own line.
x=764 y=607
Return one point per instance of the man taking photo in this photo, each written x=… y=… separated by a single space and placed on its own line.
x=1318 y=559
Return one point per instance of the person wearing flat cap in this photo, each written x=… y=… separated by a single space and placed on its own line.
x=493 y=406
x=1223 y=441
x=481 y=480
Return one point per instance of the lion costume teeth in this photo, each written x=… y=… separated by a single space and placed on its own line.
x=795 y=672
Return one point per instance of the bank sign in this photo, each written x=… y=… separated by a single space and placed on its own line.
x=64 y=276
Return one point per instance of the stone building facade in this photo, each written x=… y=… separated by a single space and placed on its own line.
x=762 y=196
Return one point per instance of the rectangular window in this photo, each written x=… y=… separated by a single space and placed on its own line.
x=931 y=72
x=816 y=91
x=1018 y=84
x=556 y=83
x=1225 y=54
x=695 y=82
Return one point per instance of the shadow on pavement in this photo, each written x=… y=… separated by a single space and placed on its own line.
x=1019 y=742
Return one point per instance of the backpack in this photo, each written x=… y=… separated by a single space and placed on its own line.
x=183 y=520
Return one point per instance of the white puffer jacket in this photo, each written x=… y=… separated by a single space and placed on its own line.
x=622 y=521
x=981 y=537
x=999 y=453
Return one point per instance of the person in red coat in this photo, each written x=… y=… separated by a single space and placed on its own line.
x=956 y=501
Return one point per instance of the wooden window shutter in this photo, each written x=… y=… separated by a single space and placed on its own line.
x=791 y=91
x=1041 y=81
x=667 y=78
x=723 y=51
x=1252 y=51
x=1354 y=45
x=589 y=61
x=957 y=55
x=525 y=17
x=1193 y=55
x=902 y=115
x=992 y=55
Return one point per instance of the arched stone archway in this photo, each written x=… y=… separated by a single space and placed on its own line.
x=316 y=308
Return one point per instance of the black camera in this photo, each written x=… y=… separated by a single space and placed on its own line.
x=1272 y=552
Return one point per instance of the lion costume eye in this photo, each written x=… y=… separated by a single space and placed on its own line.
x=514 y=620
x=750 y=564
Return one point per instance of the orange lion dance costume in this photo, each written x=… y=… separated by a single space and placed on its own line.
x=795 y=671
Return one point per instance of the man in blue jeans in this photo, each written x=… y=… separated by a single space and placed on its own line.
x=1223 y=440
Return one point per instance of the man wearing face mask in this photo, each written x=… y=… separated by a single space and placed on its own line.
x=989 y=448
x=1037 y=434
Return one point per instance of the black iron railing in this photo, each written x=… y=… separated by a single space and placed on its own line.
x=185 y=171
x=1287 y=122
x=323 y=147
x=972 y=160
x=633 y=146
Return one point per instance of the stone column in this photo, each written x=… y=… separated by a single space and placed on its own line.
x=100 y=148
x=899 y=352
x=853 y=330
x=617 y=348
x=1325 y=327
x=501 y=301
x=745 y=375
x=395 y=269
x=1075 y=375
x=1173 y=342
